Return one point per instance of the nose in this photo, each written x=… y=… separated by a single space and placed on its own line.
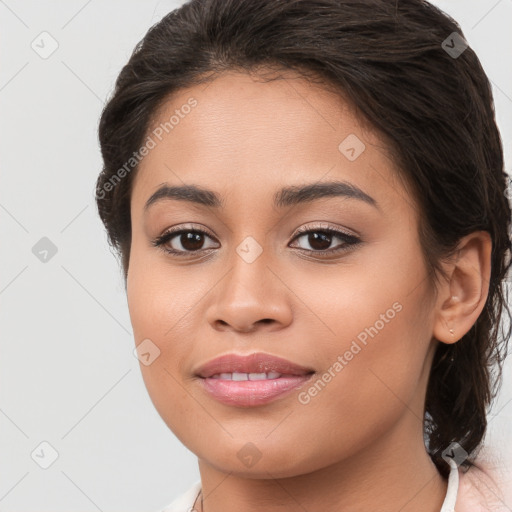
x=250 y=297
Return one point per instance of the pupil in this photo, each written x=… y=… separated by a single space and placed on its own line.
x=324 y=238
x=191 y=240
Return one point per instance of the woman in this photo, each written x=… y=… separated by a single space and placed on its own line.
x=309 y=201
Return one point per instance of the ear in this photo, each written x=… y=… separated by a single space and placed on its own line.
x=461 y=298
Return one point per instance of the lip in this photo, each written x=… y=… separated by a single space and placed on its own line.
x=250 y=393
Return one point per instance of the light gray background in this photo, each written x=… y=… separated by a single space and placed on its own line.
x=67 y=372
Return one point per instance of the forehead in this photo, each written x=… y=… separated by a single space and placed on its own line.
x=241 y=131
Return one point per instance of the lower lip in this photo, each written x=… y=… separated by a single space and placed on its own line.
x=250 y=393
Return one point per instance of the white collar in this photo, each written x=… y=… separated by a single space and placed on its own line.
x=453 y=488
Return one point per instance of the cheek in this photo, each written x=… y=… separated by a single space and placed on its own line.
x=157 y=308
x=364 y=388
x=370 y=333
x=160 y=298
x=155 y=315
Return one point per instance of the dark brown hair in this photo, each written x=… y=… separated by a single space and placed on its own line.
x=433 y=108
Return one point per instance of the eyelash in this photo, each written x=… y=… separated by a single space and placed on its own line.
x=349 y=240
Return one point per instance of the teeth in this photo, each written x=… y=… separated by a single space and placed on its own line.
x=246 y=376
x=259 y=376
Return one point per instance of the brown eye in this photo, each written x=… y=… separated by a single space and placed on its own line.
x=183 y=241
x=191 y=240
x=320 y=240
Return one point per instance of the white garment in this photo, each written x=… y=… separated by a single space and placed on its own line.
x=185 y=502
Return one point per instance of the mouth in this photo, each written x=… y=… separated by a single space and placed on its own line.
x=255 y=379
x=255 y=366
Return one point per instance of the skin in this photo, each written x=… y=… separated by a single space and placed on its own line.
x=357 y=444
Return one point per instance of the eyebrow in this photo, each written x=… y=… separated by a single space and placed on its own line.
x=285 y=197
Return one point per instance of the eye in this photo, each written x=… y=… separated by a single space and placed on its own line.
x=181 y=241
x=320 y=239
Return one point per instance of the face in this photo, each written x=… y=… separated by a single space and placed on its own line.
x=332 y=280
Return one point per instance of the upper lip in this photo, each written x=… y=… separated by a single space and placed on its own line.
x=258 y=362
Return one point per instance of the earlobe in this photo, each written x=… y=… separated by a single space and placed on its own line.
x=462 y=297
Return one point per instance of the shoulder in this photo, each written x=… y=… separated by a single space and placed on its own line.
x=485 y=487
x=184 y=502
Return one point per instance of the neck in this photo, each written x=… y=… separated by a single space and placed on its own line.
x=393 y=473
